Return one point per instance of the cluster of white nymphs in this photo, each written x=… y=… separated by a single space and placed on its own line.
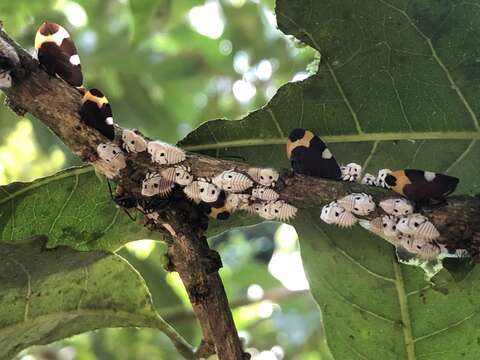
x=342 y=212
x=406 y=230
x=379 y=180
x=249 y=190
x=353 y=172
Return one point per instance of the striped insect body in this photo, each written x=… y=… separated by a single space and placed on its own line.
x=179 y=174
x=256 y=208
x=113 y=157
x=232 y=181
x=369 y=179
x=57 y=53
x=278 y=210
x=397 y=207
x=351 y=172
x=133 y=142
x=336 y=215
x=202 y=190
x=154 y=184
x=358 y=203
x=237 y=202
x=264 y=176
x=418 y=226
x=163 y=153
x=264 y=193
x=380 y=180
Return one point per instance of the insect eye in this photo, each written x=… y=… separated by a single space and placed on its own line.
x=384 y=225
x=132 y=142
x=276 y=211
x=201 y=190
x=395 y=210
x=270 y=177
x=419 y=247
x=155 y=185
x=357 y=198
x=336 y=213
x=213 y=192
x=114 y=152
x=356 y=209
x=162 y=154
x=416 y=224
x=177 y=174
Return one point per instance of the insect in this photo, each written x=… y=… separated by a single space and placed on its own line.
x=351 y=172
x=97 y=113
x=264 y=176
x=397 y=207
x=418 y=226
x=369 y=179
x=112 y=155
x=8 y=60
x=264 y=193
x=133 y=142
x=383 y=226
x=179 y=174
x=255 y=208
x=155 y=184
x=218 y=210
x=335 y=214
x=202 y=190
x=380 y=180
x=427 y=250
x=309 y=155
x=232 y=181
x=279 y=210
x=419 y=185
x=163 y=153
x=57 y=53
x=237 y=202
x=358 y=203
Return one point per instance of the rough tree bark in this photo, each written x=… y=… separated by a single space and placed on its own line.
x=57 y=104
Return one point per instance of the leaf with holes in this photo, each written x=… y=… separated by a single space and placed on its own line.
x=396 y=88
x=72 y=208
x=47 y=295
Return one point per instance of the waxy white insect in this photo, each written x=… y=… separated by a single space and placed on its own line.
x=232 y=181
x=202 y=190
x=397 y=206
x=358 y=203
x=336 y=215
x=380 y=180
x=418 y=226
x=278 y=210
x=133 y=142
x=163 y=153
x=351 y=172
x=237 y=202
x=179 y=174
x=369 y=179
x=264 y=176
x=113 y=159
x=264 y=193
x=154 y=184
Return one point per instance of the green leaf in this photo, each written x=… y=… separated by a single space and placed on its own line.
x=72 y=208
x=396 y=88
x=46 y=295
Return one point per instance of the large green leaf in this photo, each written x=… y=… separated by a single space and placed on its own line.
x=396 y=88
x=51 y=294
x=72 y=207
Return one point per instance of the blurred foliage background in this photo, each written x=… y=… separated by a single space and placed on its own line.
x=166 y=66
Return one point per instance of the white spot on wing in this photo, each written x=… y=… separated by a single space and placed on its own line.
x=60 y=35
x=326 y=154
x=429 y=176
x=109 y=120
x=75 y=60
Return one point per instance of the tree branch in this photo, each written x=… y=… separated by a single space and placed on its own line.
x=57 y=105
